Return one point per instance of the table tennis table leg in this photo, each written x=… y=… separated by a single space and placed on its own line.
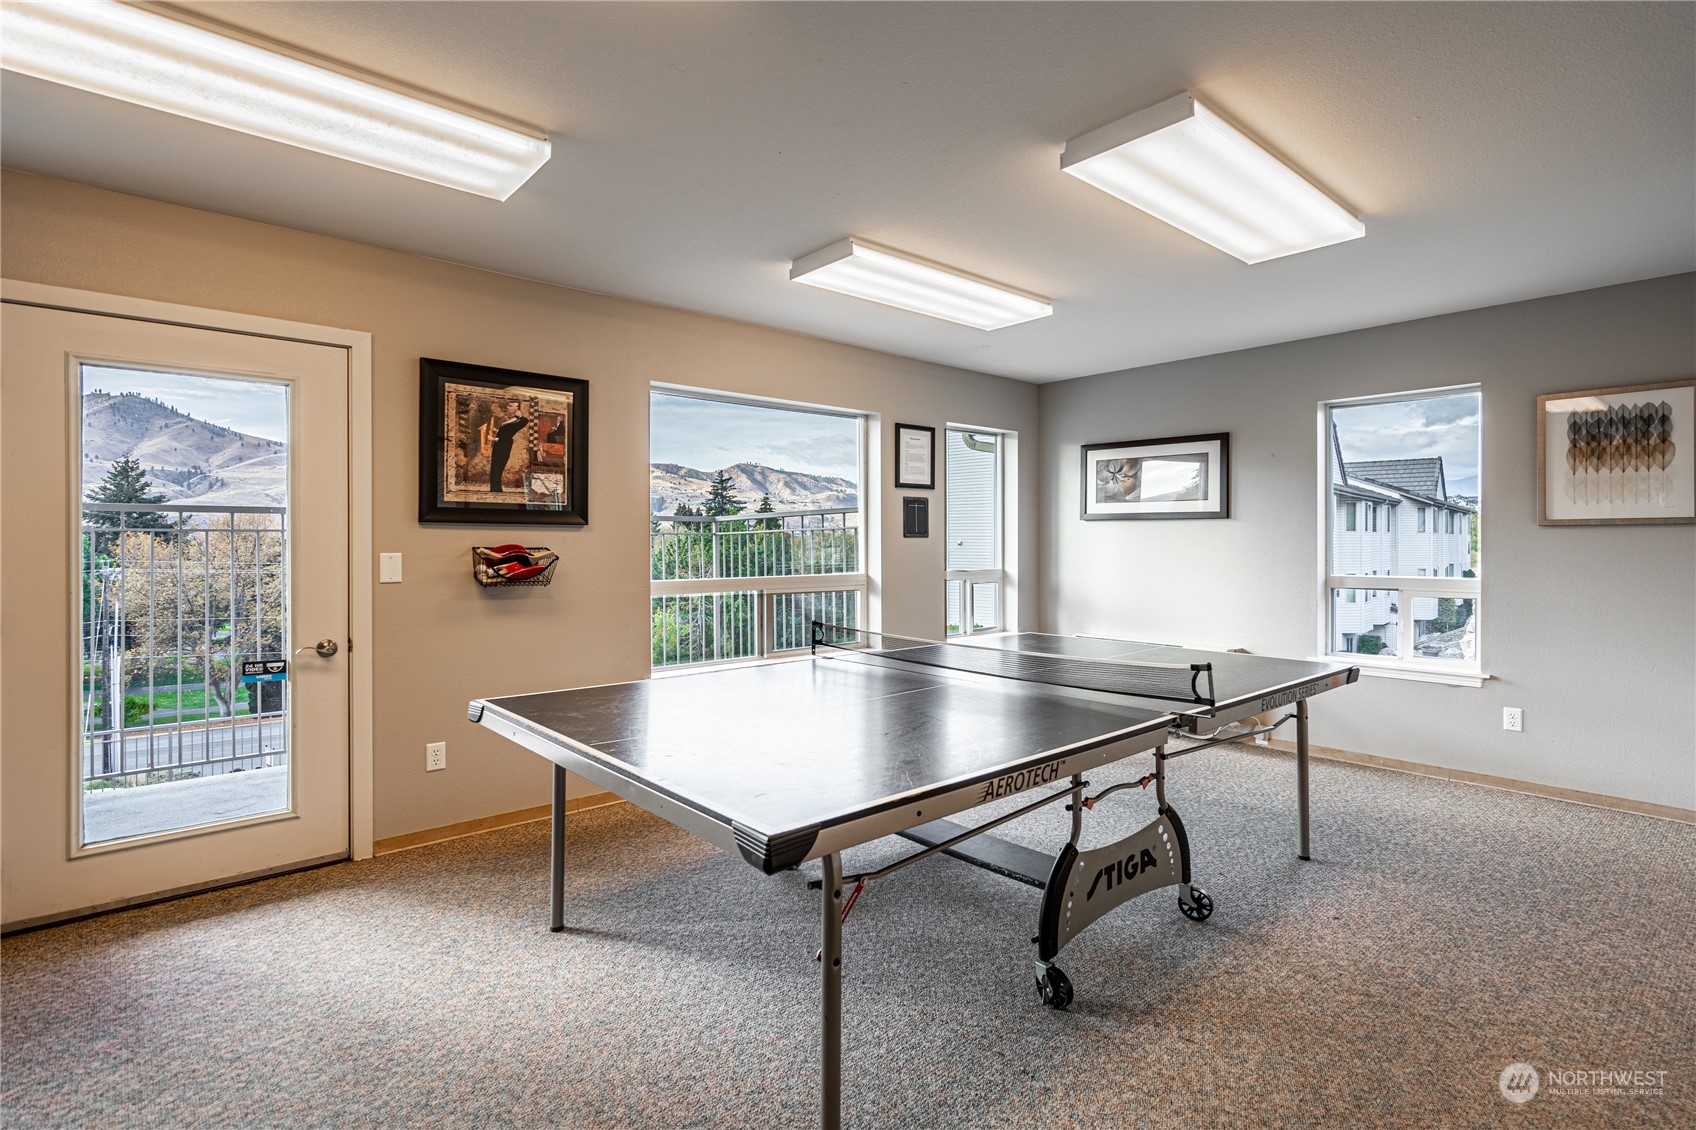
x=556 y=897
x=1301 y=772
x=830 y=1083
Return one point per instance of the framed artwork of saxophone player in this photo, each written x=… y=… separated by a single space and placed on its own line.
x=501 y=447
x=1182 y=477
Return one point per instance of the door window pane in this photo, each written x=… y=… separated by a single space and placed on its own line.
x=184 y=580
x=974 y=500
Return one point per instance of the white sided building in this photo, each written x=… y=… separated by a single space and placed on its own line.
x=1394 y=518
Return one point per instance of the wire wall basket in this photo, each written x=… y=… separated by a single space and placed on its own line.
x=513 y=566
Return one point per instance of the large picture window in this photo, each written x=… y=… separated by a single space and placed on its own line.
x=754 y=526
x=974 y=577
x=1402 y=505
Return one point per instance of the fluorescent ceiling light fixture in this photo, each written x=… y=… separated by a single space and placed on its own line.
x=865 y=270
x=1180 y=162
x=137 y=55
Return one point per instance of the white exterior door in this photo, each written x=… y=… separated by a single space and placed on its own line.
x=135 y=761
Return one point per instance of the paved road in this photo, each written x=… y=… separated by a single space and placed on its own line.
x=171 y=745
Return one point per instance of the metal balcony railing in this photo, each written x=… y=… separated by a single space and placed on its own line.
x=174 y=598
x=747 y=585
x=790 y=543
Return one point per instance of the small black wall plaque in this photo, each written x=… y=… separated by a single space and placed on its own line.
x=915 y=517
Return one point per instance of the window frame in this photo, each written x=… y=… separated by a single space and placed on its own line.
x=996 y=574
x=769 y=587
x=1404 y=664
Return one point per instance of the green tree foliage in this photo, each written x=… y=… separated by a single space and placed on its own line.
x=210 y=596
x=703 y=628
x=1368 y=645
x=1451 y=614
x=125 y=482
x=720 y=502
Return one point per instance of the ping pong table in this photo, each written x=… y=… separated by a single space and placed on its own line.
x=875 y=735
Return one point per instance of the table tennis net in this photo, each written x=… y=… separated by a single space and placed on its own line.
x=1171 y=682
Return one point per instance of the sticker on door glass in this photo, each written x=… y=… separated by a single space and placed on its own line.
x=264 y=670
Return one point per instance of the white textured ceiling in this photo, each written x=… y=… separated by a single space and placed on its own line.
x=1496 y=152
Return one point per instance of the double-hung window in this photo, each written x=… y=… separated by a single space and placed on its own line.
x=975 y=467
x=754 y=525
x=1408 y=466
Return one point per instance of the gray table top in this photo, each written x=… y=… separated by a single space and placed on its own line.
x=778 y=751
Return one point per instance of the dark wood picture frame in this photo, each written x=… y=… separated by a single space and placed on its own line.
x=909 y=433
x=1114 y=479
x=530 y=429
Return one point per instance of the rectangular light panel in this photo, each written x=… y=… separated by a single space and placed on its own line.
x=865 y=270
x=139 y=56
x=1180 y=162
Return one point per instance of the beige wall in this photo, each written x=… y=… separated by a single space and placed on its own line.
x=440 y=640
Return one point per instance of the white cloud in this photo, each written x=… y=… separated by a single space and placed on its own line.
x=1443 y=426
x=711 y=434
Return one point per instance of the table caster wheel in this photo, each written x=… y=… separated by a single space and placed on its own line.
x=1199 y=907
x=1054 y=987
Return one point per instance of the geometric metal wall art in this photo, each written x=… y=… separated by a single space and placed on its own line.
x=1617 y=456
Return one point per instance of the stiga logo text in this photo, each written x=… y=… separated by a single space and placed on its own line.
x=1020 y=781
x=1122 y=870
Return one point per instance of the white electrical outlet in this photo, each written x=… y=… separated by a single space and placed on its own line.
x=1513 y=718
x=435 y=756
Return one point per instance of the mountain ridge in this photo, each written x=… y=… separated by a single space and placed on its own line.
x=185 y=459
x=673 y=484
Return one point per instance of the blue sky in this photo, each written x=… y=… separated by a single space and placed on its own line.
x=259 y=408
x=1441 y=425
x=712 y=434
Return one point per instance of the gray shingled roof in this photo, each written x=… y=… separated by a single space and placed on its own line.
x=1420 y=476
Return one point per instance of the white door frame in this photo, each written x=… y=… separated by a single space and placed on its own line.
x=360 y=553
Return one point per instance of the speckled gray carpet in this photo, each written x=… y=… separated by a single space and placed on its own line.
x=1442 y=932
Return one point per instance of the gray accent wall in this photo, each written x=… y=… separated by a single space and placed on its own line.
x=1591 y=630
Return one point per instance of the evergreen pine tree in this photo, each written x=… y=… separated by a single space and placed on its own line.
x=765 y=507
x=126 y=481
x=720 y=502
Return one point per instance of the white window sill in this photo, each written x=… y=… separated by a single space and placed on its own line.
x=1407 y=671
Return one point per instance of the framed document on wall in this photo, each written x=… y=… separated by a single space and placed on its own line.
x=915 y=457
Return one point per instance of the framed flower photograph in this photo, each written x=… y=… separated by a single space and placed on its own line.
x=501 y=447
x=1182 y=477
x=1617 y=456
